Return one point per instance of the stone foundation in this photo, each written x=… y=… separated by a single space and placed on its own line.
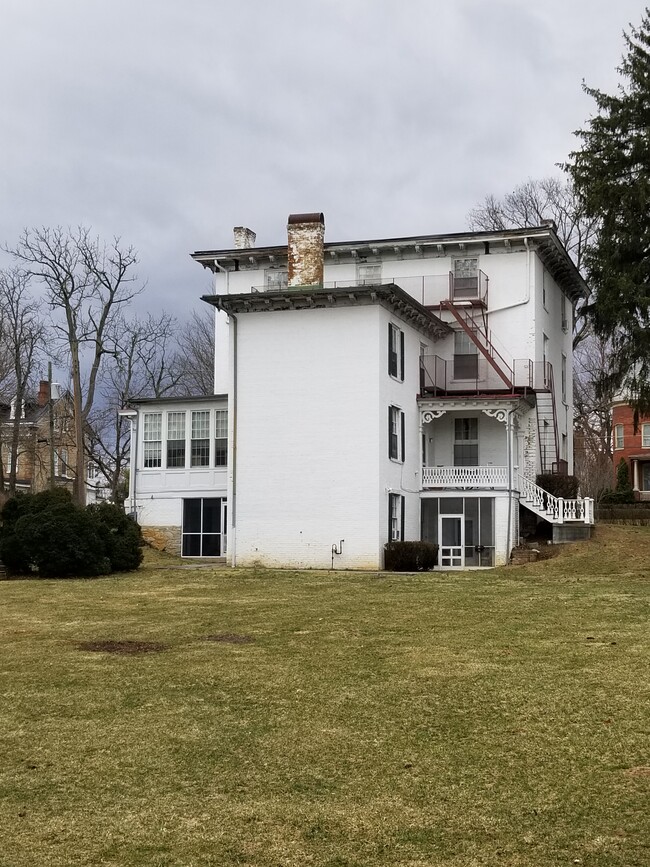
x=166 y=539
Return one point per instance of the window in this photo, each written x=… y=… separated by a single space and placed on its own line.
x=565 y=321
x=220 y=437
x=466 y=442
x=175 y=439
x=465 y=280
x=152 y=436
x=395 y=434
x=200 y=445
x=369 y=274
x=204 y=527
x=563 y=378
x=395 y=518
x=64 y=466
x=275 y=279
x=618 y=436
x=544 y=289
x=645 y=436
x=92 y=471
x=465 y=357
x=395 y=352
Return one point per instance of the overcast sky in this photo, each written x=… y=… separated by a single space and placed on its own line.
x=169 y=122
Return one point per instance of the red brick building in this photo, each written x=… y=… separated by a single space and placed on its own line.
x=634 y=447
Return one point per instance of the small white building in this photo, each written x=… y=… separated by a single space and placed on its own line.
x=389 y=389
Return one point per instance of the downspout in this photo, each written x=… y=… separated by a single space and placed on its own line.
x=134 y=464
x=232 y=416
x=527 y=298
x=509 y=460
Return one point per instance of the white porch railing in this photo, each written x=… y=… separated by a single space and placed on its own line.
x=557 y=510
x=464 y=477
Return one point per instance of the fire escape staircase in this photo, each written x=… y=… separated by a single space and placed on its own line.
x=547 y=422
x=479 y=334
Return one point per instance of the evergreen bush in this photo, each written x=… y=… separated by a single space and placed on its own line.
x=50 y=534
x=121 y=536
x=410 y=556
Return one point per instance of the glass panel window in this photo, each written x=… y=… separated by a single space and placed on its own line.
x=152 y=436
x=465 y=278
x=563 y=378
x=645 y=436
x=369 y=274
x=618 y=436
x=395 y=352
x=465 y=357
x=175 y=439
x=466 y=442
x=200 y=445
x=395 y=517
x=395 y=433
x=221 y=437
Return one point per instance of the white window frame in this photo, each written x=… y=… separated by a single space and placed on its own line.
x=462 y=341
x=204 y=438
x=369 y=273
x=466 y=440
x=220 y=437
x=150 y=442
x=619 y=436
x=645 y=436
x=172 y=417
x=395 y=517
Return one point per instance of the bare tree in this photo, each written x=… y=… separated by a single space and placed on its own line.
x=196 y=354
x=22 y=337
x=143 y=362
x=529 y=204
x=87 y=284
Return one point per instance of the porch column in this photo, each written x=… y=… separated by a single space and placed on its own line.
x=635 y=475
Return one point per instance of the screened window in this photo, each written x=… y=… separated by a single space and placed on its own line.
x=200 y=443
x=396 y=517
x=175 y=439
x=618 y=436
x=395 y=433
x=220 y=437
x=645 y=436
x=395 y=352
x=152 y=436
x=466 y=442
x=465 y=357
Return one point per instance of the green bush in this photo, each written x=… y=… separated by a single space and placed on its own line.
x=410 y=556
x=617 y=498
x=558 y=485
x=623 y=483
x=121 y=536
x=50 y=534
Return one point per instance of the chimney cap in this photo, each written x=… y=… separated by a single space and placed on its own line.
x=306 y=218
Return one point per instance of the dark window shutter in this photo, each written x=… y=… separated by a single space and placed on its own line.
x=390 y=433
x=401 y=532
x=401 y=355
x=403 y=441
x=392 y=351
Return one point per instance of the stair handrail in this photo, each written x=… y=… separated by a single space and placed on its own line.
x=557 y=509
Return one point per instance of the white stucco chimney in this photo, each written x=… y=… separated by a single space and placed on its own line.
x=244 y=238
x=305 y=239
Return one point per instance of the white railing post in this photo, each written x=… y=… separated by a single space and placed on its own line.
x=560 y=510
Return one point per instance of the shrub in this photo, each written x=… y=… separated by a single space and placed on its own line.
x=558 y=485
x=48 y=532
x=616 y=498
x=410 y=556
x=623 y=476
x=121 y=536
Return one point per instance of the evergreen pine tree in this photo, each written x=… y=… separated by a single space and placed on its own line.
x=611 y=175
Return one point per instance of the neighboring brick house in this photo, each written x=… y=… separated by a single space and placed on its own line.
x=33 y=471
x=374 y=390
x=633 y=446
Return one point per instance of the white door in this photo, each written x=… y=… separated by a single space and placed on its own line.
x=450 y=533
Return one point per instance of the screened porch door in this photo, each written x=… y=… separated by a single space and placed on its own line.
x=451 y=533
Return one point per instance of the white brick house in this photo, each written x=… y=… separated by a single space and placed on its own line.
x=390 y=389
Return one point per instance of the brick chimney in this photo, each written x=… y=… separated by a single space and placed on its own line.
x=305 y=235
x=244 y=238
x=43 y=393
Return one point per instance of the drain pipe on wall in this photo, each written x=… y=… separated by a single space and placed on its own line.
x=232 y=424
x=509 y=457
x=337 y=549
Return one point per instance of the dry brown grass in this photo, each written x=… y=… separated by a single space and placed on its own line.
x=492 y=718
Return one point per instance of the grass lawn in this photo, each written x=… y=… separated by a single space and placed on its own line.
x=332 y=719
